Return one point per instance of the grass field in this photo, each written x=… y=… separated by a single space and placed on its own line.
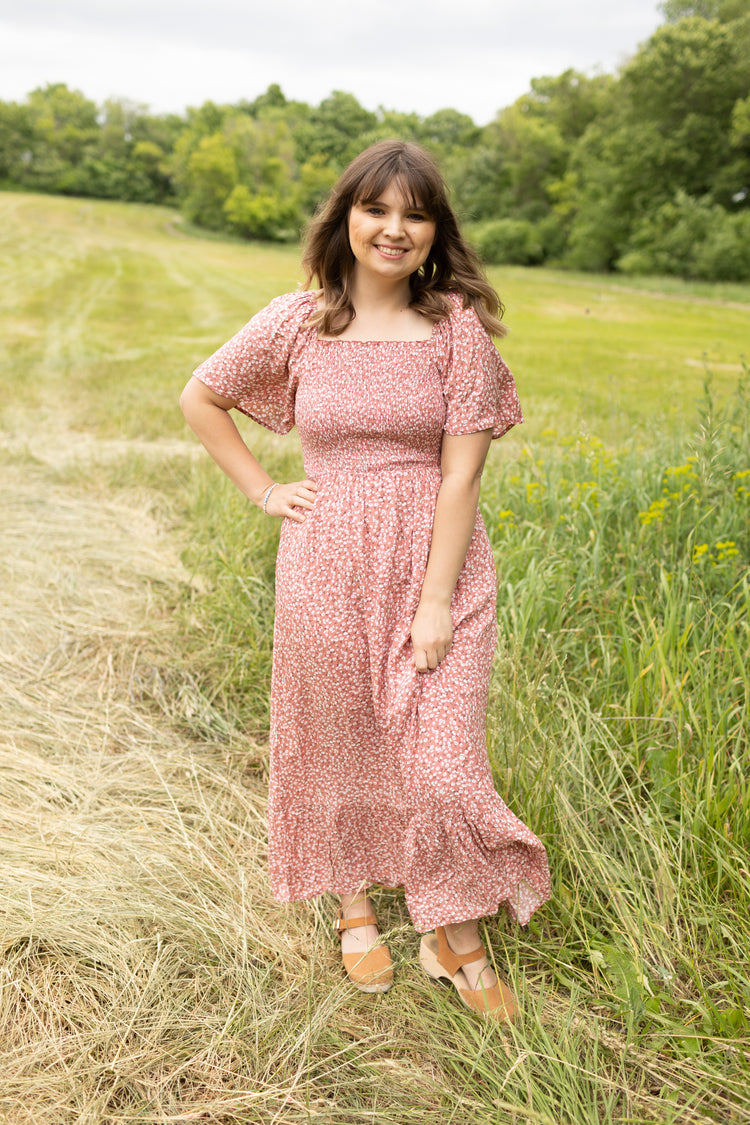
x=145 y=973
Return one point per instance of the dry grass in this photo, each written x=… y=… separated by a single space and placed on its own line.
x=128 y=859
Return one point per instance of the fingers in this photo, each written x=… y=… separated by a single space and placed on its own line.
x=292 y=501
x=428 y=659
x=431 y=635
x=304 y=493
x=303 y=497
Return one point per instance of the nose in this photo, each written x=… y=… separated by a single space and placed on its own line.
x=394 y=225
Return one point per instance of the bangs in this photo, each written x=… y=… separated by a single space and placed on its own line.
x=415 y=188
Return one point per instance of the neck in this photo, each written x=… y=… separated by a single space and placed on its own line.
x=374 y=292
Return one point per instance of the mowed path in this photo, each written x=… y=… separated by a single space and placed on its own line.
x=84 y=581
x=124 y=843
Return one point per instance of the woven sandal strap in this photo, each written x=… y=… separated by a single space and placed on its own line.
x=453 y=961
x=343 y=923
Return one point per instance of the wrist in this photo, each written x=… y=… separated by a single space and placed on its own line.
x=435 y=600
x=262 y=503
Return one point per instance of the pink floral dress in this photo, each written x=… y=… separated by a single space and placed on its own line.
x=378 y=773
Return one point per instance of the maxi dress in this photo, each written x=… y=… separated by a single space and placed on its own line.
x=380 y=774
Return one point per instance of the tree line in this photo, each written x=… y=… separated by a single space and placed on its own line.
x=647 y=170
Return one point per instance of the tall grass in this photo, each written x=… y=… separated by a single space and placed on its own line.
x=145 y=973
x=625 y=591
x=618 y=726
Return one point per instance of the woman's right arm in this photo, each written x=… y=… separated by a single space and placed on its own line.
x=207 y=414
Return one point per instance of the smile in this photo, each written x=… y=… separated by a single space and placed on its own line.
x=391 y=251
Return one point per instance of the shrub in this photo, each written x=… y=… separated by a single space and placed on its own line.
x=725 y=254
x=512 y=241
x=261 y=215
x=692 y=238
x=553 y=237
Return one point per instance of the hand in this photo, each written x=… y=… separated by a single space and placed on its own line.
x=286 y=500
x=431 y=635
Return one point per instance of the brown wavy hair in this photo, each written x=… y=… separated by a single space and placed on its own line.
x=451 y=267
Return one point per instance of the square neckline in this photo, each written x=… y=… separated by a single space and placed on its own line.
x=338 y=340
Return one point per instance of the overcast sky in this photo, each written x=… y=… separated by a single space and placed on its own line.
x=474 y=55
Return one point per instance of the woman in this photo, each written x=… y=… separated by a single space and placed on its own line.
x=385 y=582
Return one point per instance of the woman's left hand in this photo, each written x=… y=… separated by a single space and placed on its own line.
x=431 y=635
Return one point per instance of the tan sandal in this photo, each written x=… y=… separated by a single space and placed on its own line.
x=439 y=960
x=371 y=971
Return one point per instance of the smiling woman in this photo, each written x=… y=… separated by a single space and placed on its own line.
x=389 y=236
x=393 y=183
x=385 y=580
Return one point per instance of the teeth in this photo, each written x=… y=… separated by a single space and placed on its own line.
x=391 y=251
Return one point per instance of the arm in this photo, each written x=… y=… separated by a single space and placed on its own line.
x=207 y=414
x=462 y=461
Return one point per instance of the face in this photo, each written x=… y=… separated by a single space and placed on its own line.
x=388 y=238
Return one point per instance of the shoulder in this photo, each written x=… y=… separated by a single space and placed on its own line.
x=461 y=314
x=286 y=314
x=462 y=325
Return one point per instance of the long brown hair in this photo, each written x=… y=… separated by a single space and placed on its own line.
x=451 y=267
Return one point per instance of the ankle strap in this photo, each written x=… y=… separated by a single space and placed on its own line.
x=453 y=961
x=343 y=923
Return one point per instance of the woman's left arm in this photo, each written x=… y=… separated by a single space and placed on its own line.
x=462 y=461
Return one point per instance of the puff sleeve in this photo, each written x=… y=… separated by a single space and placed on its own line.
x=479 y=389
x=253 y=368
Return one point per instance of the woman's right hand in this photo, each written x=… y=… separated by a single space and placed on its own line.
x=291 y=501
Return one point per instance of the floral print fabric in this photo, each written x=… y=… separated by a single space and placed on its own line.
x=380 y=774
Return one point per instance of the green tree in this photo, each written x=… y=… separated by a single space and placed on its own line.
x=448 y=130
x=149 y=181
x=64 y=127
x=317 y=177
x=264 y=151
x=273 y=98
x=570 y=101
x=335 y=129
x=201 y=122
x=669 y=128
x=125 y=162
x=723 y=10
x=16 y=141
x=513 y=166
x=210 y=177
x=536 y=155
x=481 y=180
x=264 y=215
x=691 y=238
x=514 y=241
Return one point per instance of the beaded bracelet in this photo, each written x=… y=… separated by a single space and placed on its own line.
x=266 y=494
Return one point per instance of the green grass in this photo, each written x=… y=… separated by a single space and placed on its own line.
x=599 y=356
x=114 y=303
x=146 y=974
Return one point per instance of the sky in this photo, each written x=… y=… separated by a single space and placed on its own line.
x=476 y=56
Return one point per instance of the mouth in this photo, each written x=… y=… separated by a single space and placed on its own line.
x=391 y=251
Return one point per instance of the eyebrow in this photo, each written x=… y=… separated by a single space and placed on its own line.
x=380 y=203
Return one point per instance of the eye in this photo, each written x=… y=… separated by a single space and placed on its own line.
x=416 y=217
x=374 y=210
